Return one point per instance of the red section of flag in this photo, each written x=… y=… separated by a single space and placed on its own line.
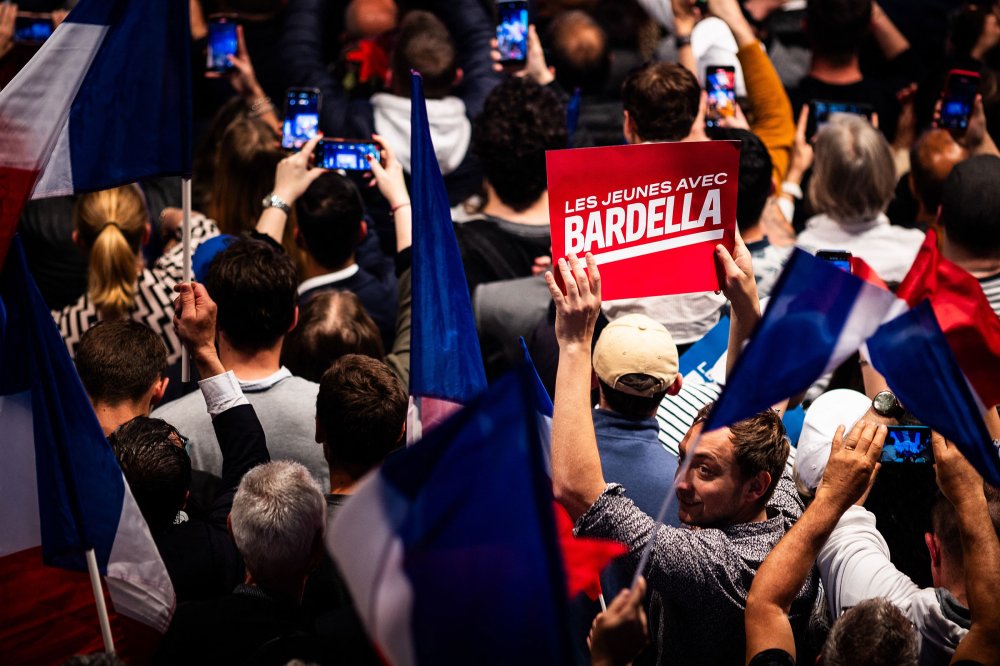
x=584 y=558
x=651 y=214
x=47 y=615
x=862 y=270
x=15 y=188
x=964 y=314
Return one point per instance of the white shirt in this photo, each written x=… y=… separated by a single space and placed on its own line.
x=888 y=249
x=688 y=317
x=328 y=278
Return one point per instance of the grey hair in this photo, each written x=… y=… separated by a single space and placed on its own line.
x=278 y=514
x=873 y=633
x=854 y=176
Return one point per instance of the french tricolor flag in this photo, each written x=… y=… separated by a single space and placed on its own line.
x=817 y=317
x=942 y=358
x=105 y=101
x=62 y=494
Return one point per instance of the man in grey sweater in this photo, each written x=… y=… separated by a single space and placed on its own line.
x=254 y=284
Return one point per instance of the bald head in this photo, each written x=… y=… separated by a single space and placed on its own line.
x=932 y=158
x=579 y=52
x=370 y=18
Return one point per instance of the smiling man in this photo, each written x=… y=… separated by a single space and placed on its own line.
x=733 y=490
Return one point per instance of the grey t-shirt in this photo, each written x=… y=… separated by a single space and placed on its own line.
x=286 y=407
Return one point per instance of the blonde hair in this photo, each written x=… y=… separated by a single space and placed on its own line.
x=111 y=224
x=854 y=176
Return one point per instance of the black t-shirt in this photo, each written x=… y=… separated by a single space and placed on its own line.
x=496 y=249
x=772 y=657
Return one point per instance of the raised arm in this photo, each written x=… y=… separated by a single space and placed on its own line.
x=292 y=178
x=577 y=477
x=735 y=272
x=848 y=476
x=471 y=28
x=963 y=487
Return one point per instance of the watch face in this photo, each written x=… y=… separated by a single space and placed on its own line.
x=884 y=402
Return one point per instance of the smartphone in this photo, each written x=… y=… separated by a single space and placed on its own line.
x=907 y=444
x=957 y=98
x=512 y=31
x=720 y=84
x=820 y=112
x=301 y=121
x=222 y=43
x=346 y=154
x=839 y=258
x=31 y=28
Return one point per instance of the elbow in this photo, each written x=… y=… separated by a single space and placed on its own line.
x=573 y=497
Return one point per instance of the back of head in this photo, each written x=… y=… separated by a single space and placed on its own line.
x=156 y=466
x=854 y=176
x=760 y=444
x=580 y=52
x=277 y=521
x=662 y=100
x=331 y=324
x=519 y=122
x=119 y=361
x=329 y=218
x=111 y=224
x=423 y=44
x=836 y=28
x=944 y=524
x=932 y=158
x=255 y=288
x=361 y=409
x=244 y=174
x=873 y=633
x=970 y=206
x=756 y=171
x=636 y=363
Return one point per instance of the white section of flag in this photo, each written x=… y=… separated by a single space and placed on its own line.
x=872 y=307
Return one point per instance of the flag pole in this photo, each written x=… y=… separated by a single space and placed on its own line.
x=102 y=608
x=186 y=261
x=667 y=501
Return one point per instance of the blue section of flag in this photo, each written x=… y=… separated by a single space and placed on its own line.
x=794 y=341
x=445 y=361
x=913 y=355
x=131 y=118
x=541 y=395
x=479 y=526
x=80 y=485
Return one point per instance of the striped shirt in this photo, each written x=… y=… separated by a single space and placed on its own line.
x=991 y=287
x=154 y=297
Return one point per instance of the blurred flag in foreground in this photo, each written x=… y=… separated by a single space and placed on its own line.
x=61 y=494
x=105 y=101
x=446 y=365
x=450 y=550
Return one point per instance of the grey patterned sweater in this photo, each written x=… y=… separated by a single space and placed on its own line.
x=699 y=578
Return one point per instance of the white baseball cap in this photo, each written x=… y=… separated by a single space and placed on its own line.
x=840 y=407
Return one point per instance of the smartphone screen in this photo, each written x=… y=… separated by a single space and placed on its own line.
x=957 y=99
x=907 y=444
x=32 y=27
x=512 y=30
x=222 y=43
x=821 y=111
x=720 y=84
x=301 y=121
x=346 y=155
x=839 y=258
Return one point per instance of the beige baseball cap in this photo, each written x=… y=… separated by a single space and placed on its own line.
x=636 y=344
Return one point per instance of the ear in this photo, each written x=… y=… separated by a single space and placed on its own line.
x=229 y=525
x=159 y=388
x=933 y=549
x=675 y=388
x=362 y=231
x=628 y=129
x=320 y=433
x=459 y=76
x=757 y=486
x=295 y=320
x=76 y=240
x=388 y=79
x=147 y=231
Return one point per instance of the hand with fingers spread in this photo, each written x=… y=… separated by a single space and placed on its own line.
x=194 y=321
x=853 y=465
x=578 y=308
x=958 y=480
x=535 y=66
x=618 y=634
x=8 y=17
x=293 y=175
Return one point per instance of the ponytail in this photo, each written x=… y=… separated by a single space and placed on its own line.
x=112 y=274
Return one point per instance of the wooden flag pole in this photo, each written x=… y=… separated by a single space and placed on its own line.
x=186 y=261
x=102 y=608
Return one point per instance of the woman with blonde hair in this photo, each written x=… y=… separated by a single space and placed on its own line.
x=111 y=226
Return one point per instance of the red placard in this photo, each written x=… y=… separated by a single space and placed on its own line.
x=651 y=214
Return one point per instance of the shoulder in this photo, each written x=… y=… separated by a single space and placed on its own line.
x=182 y=409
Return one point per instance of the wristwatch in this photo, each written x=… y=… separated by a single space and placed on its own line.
x=680 y=41
x=272 y=200
x=885 y=404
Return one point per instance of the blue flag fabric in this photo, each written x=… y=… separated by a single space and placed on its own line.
x=913 y=355
x=817 y=317
x=445 y=360
x=467 y=523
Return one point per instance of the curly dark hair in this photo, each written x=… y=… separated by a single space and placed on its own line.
x=662 y=101
x=836 y=28
x=519 y=122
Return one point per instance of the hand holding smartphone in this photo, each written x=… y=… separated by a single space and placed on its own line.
x=720 y=84
x=957 y=98
x=222 y=43
x=512 y=32
x=346 y=154
x=301 y=121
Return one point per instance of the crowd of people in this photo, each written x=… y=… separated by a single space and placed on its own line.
x=789 y=544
